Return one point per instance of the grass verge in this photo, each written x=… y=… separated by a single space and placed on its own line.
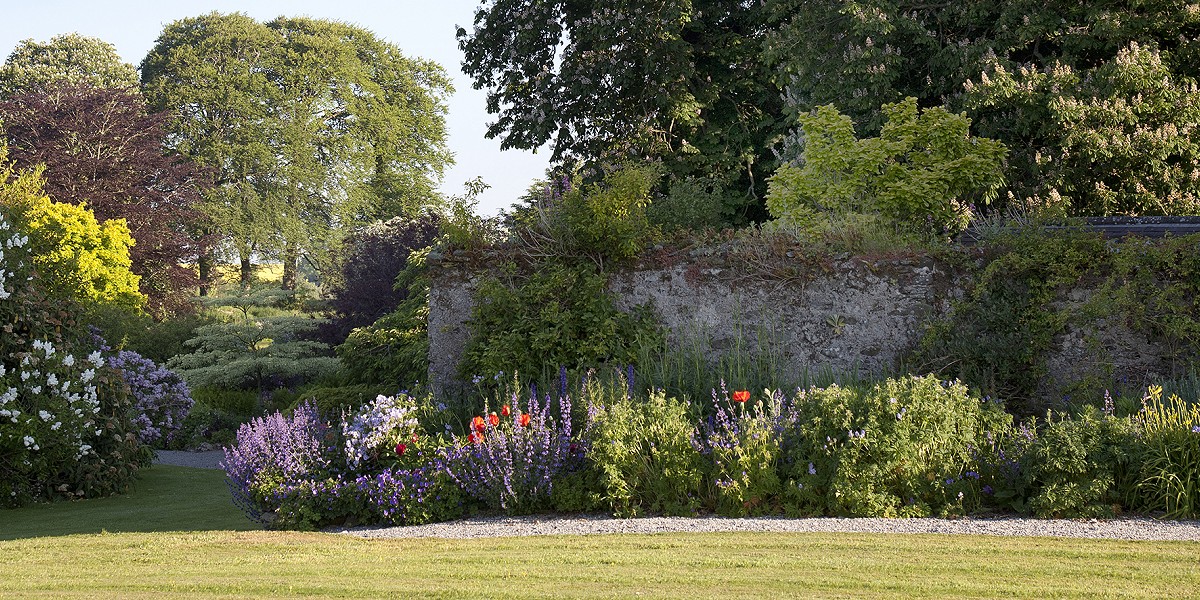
x=175 y=535
x=763 y=565
x=164 y=498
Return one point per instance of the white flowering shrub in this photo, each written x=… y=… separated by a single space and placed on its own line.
x=66 y=418
x=379 y=427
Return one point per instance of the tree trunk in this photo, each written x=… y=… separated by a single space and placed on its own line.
x=206 y=268
x=247 y=274
x=290 y=262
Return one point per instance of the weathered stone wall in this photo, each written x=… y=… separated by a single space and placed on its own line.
x=843 y=315
x=852 y=315
x=857 y=316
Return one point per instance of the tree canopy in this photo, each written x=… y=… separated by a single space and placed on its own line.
x=69 y=58
x=1094 y=99
x=101 y=149
x=679 y=81
x=311 y=126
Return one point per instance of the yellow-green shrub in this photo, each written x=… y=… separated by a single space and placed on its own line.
x=74 y=252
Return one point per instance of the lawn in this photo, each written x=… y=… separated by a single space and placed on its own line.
x=174 y=534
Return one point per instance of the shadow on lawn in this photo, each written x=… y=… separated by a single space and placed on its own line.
x=164 y=498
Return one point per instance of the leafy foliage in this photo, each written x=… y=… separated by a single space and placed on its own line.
x=377 y=254
x=71 y=59
x=70 y=129
x=924 y=169
x=1078 y=467
x=1169 y=478
x=643 y=453
x=394 y=350
x=77 y=256
x=556 y=316
x=1067 y=87
x=260 y=347
x=312 y=126
x=1116 y=139
x=66 y=425
x=676 y=81
x=899 y=448
x=998 y=337
x=605 y=222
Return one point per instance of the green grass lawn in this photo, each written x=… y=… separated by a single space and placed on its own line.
x=164 y=498
x=176 y=539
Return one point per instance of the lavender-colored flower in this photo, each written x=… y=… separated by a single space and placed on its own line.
x=514 y=466
x=161 y=397
x=276 y=449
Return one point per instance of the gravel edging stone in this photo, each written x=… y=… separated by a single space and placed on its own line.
x=480 y=527
x=599 y=524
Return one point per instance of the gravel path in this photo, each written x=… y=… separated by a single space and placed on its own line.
x=1122 y=529
x=477 y=527
x=202 y=460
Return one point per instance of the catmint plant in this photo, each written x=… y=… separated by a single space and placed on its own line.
x=273 y=453
x=512 y=462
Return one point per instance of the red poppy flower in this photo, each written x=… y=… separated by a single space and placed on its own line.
x=494 y=419
x=505 y=411
x=400 y=448
x=741 y=396
x=478 y=424
x=474 y=438
x=523 y=420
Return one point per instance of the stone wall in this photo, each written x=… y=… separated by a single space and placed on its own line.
x=849 y=315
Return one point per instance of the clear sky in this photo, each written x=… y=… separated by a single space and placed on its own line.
x=420 y=28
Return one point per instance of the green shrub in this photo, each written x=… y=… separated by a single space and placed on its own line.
x=1081 y=467
x=394 y=350
x=77 y=255
x=998 y=337
x=744 y=445
x=604 y=221
x=262 y=346
x=556 y=316
x=691 y=203
x=332 y=401
x=66 y=418
x=244 y=403
x=643 y=453
x=900 y=448
x=924 y=170
x=207 y=425
x=126 y=329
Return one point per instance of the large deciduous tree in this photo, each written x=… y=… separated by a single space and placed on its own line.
x=1096 y=100
x=312 y=126
x=69 y=58
x=103 y=150
x=679 y=81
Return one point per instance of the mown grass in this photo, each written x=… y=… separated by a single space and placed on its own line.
x=176 y=539
x=164 y=498
x=278 y=564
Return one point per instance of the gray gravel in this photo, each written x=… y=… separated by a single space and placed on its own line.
x=210 y=459
x=1123 y=529
x=477 y=527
